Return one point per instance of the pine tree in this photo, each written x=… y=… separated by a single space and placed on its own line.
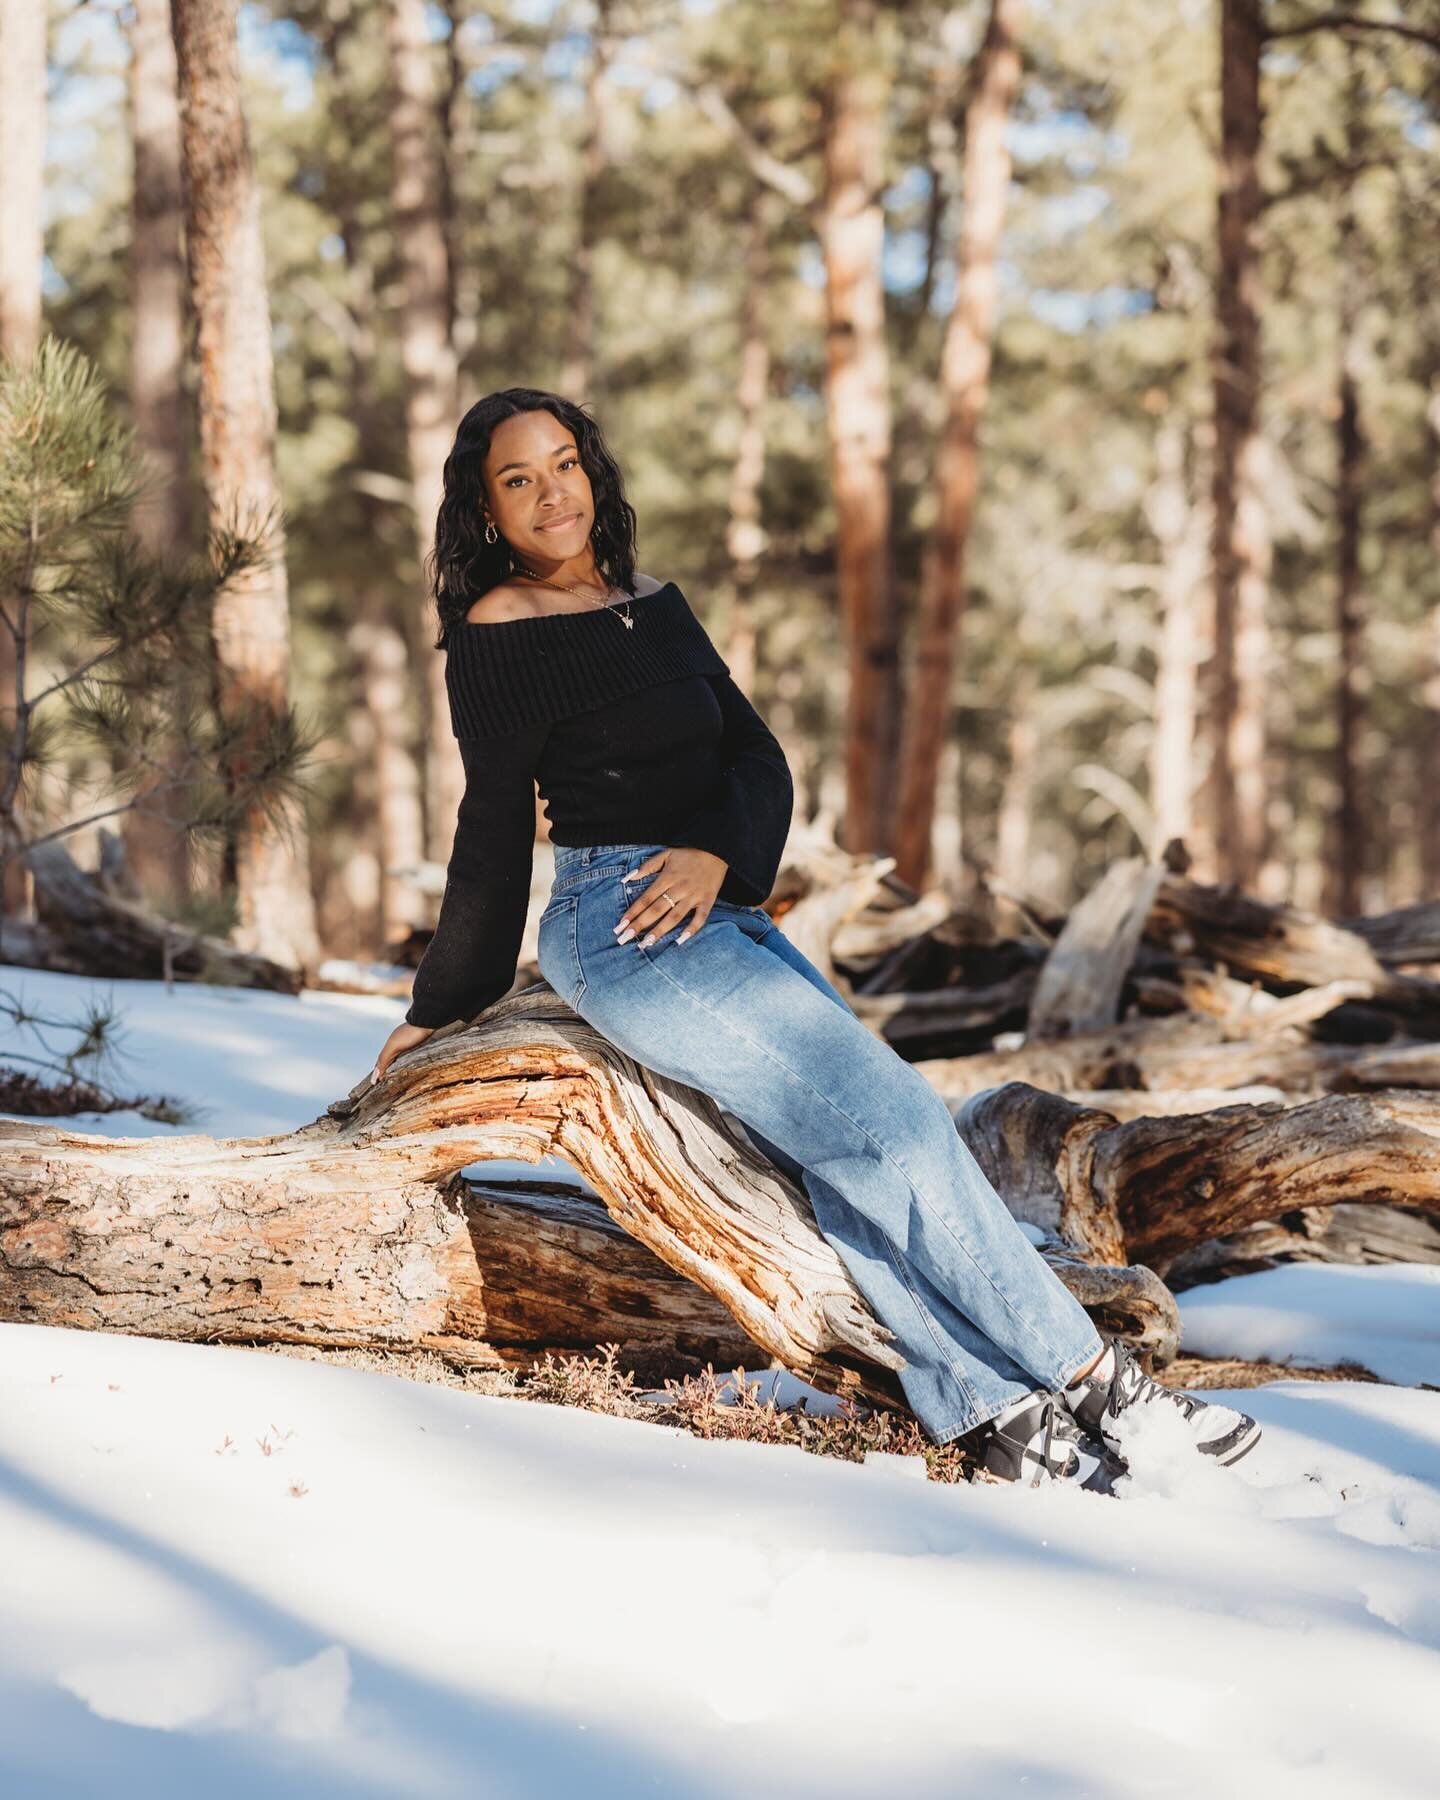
x=104 y=631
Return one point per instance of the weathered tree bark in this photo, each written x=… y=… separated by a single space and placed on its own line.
x=857 y=406
x=1282 y=944
x=1177 y=1182
x=1235 y=690
x=1152 y=1188
x=1327 y=1234
x=1079 y=987
x=1408 y=934
x=251 y=621
x=1156 y=1061
x=341 y=1234
x=432 y=377
x=157 y=850
x=965 y=383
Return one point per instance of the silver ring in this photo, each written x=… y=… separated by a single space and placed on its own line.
x=666 y=893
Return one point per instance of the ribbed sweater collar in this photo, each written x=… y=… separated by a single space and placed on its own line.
x=517 y=673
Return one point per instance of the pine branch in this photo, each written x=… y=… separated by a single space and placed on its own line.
x=1417 y=34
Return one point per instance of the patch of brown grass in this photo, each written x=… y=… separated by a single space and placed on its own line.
x=693 y=1403
x=697 y=1404
x=1230 y=1372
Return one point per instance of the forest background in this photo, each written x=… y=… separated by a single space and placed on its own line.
x=1040 y=404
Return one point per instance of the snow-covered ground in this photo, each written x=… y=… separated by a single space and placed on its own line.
x=1318 y=1315
x=421 y=1591
x=225 y=1572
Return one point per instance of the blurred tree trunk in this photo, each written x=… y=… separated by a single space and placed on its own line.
x=157 y=852
x=1178 y=525
x=1017 y=796
x=1235 y=692
x=1346 y=867
x=965 y=383
x=22 y=249
x=1430 y=748
x=432 y=380
x=22 y=158
x=744 y=534
x=578 y=377
x=857 y=398
x=251 y=620
x=391 y=817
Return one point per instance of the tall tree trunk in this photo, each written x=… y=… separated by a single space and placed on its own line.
x=578 y=377
x=157 y=851
x=1178 y=526
x=22 y=159
x=744 y=534
x=1430 y=690
x=432 y=380
x=383 y=651
x=1235 y=697
x=22 y=248
x=965 y=383
x=857 y=398
x=1017 y=796
x=1347 y=865
x=237 y=442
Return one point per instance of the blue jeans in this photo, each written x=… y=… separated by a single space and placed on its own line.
x=739 y=1013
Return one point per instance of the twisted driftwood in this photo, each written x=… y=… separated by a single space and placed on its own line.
x=355 y=1230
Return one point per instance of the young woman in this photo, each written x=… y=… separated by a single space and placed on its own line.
x=669 y=802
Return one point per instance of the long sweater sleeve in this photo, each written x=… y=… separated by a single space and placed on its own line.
x=748 y=821
x=471 y=960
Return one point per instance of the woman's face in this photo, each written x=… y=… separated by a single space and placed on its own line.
x=535 y=489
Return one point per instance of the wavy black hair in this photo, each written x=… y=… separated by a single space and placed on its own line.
x=462 y=566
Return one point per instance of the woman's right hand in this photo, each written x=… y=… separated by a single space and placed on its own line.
x=404 y=1037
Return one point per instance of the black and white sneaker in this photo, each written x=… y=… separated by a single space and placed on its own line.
x=1037 y=1441
x=1119 y=1391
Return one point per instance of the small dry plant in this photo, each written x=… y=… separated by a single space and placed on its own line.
x=708 y=1407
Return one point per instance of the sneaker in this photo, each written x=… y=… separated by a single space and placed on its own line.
x=1036 y=1440
x=1100 y=1403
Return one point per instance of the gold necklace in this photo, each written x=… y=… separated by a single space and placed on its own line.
x=604 y=605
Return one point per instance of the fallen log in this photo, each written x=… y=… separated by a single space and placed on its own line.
x=1079 y=986
x=83 y=928
x=1328 y=1234
x=1185 y=1053
x=1283 y=944
x=1147 y=1190
x=354 y=1230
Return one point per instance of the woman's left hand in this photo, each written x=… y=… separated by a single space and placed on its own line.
x=686 y=881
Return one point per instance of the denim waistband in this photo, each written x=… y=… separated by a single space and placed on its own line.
x=580 y=856
x=576 y=865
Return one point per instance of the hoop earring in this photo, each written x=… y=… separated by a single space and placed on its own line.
x=491 y=534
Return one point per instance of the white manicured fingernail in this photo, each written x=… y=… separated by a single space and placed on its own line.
x=374 y=1076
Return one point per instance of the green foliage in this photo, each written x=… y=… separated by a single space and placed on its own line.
x=1104 y=338
x=115 y=666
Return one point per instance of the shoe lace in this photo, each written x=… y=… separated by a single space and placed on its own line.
x=1058 y=1424
x=1131 y=1384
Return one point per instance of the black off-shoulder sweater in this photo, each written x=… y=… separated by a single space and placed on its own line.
x=635 y=736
